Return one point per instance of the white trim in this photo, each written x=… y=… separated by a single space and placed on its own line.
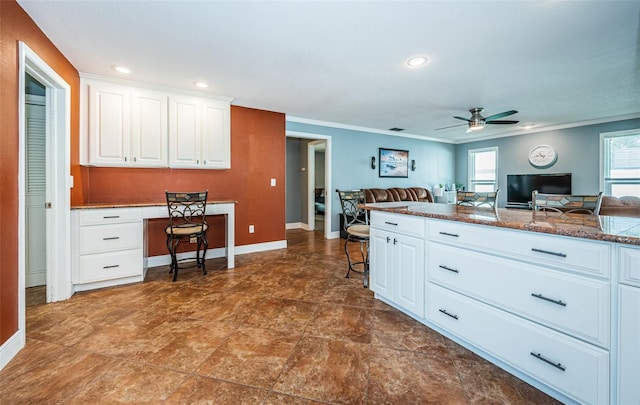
x=151 y=86
x=11 y=347
x=552 y=128
x=261 y=247
x=601 y=167
x=328 y=158
x=295 y=225
x=470 y=171
x=334 y=235
x=165 y=260
x=596 y=121
x=58 y=223
x=309 y=121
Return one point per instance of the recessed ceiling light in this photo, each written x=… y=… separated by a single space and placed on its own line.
x=121 y=69
x=527 y=126
x=417 y=61
x=200 y=84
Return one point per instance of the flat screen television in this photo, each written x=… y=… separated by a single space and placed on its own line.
x=520 y=186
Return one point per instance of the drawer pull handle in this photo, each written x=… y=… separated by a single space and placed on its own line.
x=113 y=266
x=388 y=239
x=391 y=223
x=448 y=268
x=395 y=241
x=450 y=234
x=111 y=216
x=111 y=238
x=547 y=252
x=538 y=356
x=542 y=297
x=444 y=311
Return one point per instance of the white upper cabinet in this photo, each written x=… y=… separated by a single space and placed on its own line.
x=108 y=122
x=149 y=128
x=199 y=132
x=133 y=125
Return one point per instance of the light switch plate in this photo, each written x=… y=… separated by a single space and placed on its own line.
x=273 y=182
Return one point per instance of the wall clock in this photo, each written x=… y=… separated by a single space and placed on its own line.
x=543 y=156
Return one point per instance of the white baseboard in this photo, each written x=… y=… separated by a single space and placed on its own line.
x=164 y=260
x=294 y=225
x=11 y=347
x=334 y=235
x=261 y=247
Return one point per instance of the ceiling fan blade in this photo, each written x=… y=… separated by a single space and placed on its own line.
x=451 y=126
x=500 y=115
x=502 y=122
x=463 y=119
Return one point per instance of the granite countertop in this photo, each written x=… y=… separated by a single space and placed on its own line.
x=598 y=227
x=140 y=204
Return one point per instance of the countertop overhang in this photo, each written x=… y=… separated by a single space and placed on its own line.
x=89 y=206
x=624 y=230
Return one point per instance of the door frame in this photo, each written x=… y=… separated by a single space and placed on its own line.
x=58 y=179
x=310 y=180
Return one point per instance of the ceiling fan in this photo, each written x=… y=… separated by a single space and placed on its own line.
x=477 y=121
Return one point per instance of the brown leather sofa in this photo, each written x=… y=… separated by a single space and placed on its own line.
x=375 y=195
x=620 y=207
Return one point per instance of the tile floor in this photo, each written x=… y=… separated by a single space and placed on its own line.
x=283 y=327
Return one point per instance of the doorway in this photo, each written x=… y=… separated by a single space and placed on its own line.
x=54 y=181
x=317 y=139
x=35 y=190
x=317 y=192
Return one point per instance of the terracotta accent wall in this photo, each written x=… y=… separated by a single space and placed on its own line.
x=15 y=26
x=257 y=155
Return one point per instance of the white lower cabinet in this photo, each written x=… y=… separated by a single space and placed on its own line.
x=107 y=247
x=629 y=328
x=398 y=262
x=578 y=369
x=538 y=305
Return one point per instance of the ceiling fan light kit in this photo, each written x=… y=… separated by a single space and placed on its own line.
x=477 y=121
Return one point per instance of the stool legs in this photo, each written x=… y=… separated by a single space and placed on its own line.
x=364 y=252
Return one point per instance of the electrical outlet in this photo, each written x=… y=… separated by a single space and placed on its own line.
x=273 y=182
x=251 y=229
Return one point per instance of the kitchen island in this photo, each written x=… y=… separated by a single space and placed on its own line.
x=552 y=298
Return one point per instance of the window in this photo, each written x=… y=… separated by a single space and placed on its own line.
x=620 y=163
x=483 y=169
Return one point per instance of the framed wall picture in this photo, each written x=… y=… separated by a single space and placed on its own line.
x=393 y=163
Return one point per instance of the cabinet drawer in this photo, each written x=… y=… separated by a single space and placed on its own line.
x=630 y=266
x=405 y=224
x=107 y=266
x=570 y=253
x=109 y=238
x=108 y=216
x=578 y=369
x=566 y=302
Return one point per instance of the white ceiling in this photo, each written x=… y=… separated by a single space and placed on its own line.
x=557 y=62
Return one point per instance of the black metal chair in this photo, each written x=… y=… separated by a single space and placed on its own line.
x=187 y=221
x=356 y=226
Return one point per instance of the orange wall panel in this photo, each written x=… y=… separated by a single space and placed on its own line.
x=16 y=26
x=257 y=156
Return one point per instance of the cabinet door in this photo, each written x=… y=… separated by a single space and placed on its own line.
x=216 y=142
x=379 y=261
x=149 y=129
x=629 y=345
x=408 y=273
x=109 y=124
x=184 y=132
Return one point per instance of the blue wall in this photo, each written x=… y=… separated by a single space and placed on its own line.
x=578 y=153
x=351 y=158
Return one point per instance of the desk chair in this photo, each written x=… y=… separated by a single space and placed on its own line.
x=567 y=203
x=187 y=221
x=478 y=198
x=356 y=226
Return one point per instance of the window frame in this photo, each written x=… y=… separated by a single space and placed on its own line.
x=471 y=181
x=605 y=182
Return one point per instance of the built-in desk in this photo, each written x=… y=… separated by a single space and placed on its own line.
x=109 y=241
